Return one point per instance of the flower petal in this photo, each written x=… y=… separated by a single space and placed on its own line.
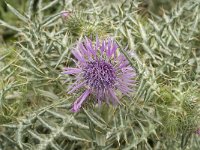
x=114 y=48
x=77 y=104
x=102 y=49
x=97 y=43
x=78 y=56
x=108 y=53
x=124 y=89
x=85 y=52
x=83 y=49
x=77 y=87
x=72 y=70
x=114 y=98
x=88 y=45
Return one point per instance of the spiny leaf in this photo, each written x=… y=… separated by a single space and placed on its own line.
x=17 y=13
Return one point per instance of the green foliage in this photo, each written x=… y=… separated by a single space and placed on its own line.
x=7 y=15
x=163 y=112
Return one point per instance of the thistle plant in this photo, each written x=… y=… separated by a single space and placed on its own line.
x=160 y=111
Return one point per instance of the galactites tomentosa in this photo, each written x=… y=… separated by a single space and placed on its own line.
x=101 y=71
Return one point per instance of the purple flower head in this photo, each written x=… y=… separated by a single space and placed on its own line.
x=101 y=71
x=65 y=14
x=198 y=131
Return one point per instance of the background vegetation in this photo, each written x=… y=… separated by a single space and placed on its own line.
x=163 y=45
